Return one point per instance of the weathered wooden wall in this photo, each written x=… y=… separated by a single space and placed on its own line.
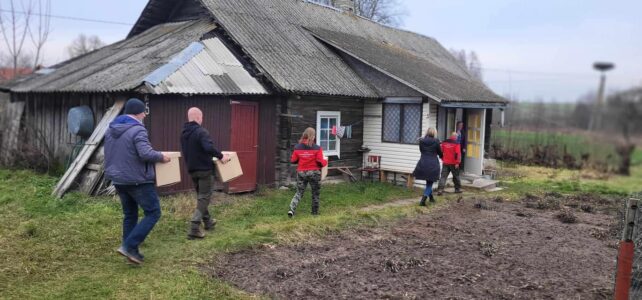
x=45 y=120
x=307 y=106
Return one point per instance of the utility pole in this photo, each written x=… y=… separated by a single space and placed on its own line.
x=596 y=118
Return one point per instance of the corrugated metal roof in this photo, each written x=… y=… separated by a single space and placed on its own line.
x=273 y=33
x=421 y=74
x=121 y=66
x=213 y=70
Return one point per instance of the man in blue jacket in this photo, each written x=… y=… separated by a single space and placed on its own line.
x=129 y=164
x=198 y=151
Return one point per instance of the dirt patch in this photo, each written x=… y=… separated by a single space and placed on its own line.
x=460 y=252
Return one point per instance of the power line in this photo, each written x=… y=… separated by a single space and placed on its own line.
x=68 y=18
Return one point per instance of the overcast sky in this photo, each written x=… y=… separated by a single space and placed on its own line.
x=530 y=49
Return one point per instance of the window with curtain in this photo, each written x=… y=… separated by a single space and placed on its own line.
x=326 y=120
x=401 y=123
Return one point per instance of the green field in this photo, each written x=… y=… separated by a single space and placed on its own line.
x=599 y=152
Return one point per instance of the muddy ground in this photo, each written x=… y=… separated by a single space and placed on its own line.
x=546 y=247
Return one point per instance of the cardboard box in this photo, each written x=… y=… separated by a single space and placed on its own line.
x=324 y=170
x=169 y=173
x=230 y=170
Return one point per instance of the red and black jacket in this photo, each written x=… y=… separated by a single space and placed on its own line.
x=309 y=158
x=452 y=152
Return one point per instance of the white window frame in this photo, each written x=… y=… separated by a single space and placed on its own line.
x=329 y=114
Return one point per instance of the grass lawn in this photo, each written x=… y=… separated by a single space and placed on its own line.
x=61 y=249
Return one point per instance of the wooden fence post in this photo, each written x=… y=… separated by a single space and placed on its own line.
x=626 y=251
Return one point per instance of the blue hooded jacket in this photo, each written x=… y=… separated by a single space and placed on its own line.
x=129 y=157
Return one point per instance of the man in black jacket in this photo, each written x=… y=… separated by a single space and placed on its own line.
x=198 y=151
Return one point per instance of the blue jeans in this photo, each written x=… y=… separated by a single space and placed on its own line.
x=428 y=190
x=131 y=197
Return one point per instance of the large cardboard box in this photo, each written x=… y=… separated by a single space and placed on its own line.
x=230 y=170
x=324 y=170
x=169 y=173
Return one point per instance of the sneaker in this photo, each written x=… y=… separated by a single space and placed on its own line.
x=458 y=192
x=290 y=213
x=137 y=253
x=209 y=224
x=130 y=255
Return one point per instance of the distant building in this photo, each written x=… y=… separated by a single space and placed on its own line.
x=7 y=74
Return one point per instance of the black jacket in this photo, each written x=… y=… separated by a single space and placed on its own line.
x=198 y=148
x=428 y=166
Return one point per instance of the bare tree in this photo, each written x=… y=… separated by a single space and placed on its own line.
x=389 y=12
x=15 y=27
x=24 y=18
x=84 y=44
x=469 y=61
x=624 y=111
x=40 y=34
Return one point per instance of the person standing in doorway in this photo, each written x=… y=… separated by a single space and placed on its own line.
x=451 y=160
x=129 y=164
x=198 y=151
x=310 y=160
x=461 y=140
x=428 y=166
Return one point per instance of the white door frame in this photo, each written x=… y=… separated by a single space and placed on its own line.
x=474 y=162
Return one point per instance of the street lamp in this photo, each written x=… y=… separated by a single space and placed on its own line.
x=595 y=122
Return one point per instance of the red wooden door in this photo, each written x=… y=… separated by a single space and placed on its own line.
x=245 y=142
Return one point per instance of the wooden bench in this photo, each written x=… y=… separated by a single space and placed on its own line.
x=410 y=179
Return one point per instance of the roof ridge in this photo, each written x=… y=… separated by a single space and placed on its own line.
x=369 y=20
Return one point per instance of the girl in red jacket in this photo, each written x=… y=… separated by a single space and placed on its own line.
x=309 y=157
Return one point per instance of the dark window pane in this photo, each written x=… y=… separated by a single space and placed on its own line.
x=324 y=123
x=411 y=123
x=391 y=122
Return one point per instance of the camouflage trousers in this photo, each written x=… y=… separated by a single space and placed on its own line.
x=302 y=180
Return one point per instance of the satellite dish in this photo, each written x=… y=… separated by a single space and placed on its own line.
x=80 y=121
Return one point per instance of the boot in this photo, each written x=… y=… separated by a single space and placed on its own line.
x=432 y=199
x=423 y=201
x=209 y=224
x=195 y=231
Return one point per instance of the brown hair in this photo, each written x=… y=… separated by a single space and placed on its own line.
x=308 y=137
x=431 y=132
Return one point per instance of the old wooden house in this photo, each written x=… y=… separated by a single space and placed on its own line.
x=263 y=71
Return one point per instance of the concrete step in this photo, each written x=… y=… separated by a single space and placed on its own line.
x=481 y=183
